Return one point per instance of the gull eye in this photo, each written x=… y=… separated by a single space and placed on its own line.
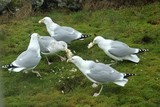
x=64 y=45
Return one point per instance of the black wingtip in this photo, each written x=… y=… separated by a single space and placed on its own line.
x=128 y=75
x=8 y=66
x=5 y=66
x=143 y=50
x=84 y=36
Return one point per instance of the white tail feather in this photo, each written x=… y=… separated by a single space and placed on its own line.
x=16 y=69
x=121 y=82
x=133 y=58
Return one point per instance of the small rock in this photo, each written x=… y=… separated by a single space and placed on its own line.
x=3 y=4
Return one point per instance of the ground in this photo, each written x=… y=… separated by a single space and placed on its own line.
x=62 y=84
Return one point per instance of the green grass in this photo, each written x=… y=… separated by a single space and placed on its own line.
x=136 y=26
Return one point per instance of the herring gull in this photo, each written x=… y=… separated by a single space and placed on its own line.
x=99 y=73
x=117 y=50
x=49 y=46
x=62 y=33
x=28 y=59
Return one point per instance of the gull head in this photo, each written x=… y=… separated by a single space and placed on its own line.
x=75 y=59
x=34 y=44
x=34 y=35
x=62 y=45
x=97 y=39
x=46 y=20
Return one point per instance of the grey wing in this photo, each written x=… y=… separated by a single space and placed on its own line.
x=46 y=38
x=104 y=73
x=27 y=59
x=22 y=54
x=120 y=49
x=44 y=42
x=64 y=35
x=70 y=29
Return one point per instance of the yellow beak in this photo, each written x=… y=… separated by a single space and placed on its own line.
x=90 y=45
x=40 y=21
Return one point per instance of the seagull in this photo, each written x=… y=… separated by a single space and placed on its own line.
x=99 y=73
x=117 y=50
x=28 y=59
x=62 y=33
x=49 y=46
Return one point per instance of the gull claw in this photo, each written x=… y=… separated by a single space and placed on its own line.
x=37 y=73
x=49 y=63
x=62 y=58
x=25 y=71
x=94 y=85
x=95 y=94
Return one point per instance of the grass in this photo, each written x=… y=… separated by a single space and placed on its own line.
x=136 y=26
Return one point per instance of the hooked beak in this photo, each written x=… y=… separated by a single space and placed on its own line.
x=90 y=45
x=40 y=21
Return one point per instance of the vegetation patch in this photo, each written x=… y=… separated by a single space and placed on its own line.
x=62 y=84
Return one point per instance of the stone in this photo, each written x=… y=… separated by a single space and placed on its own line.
x=3 y=4
x=73 y=5
x=37 y=3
